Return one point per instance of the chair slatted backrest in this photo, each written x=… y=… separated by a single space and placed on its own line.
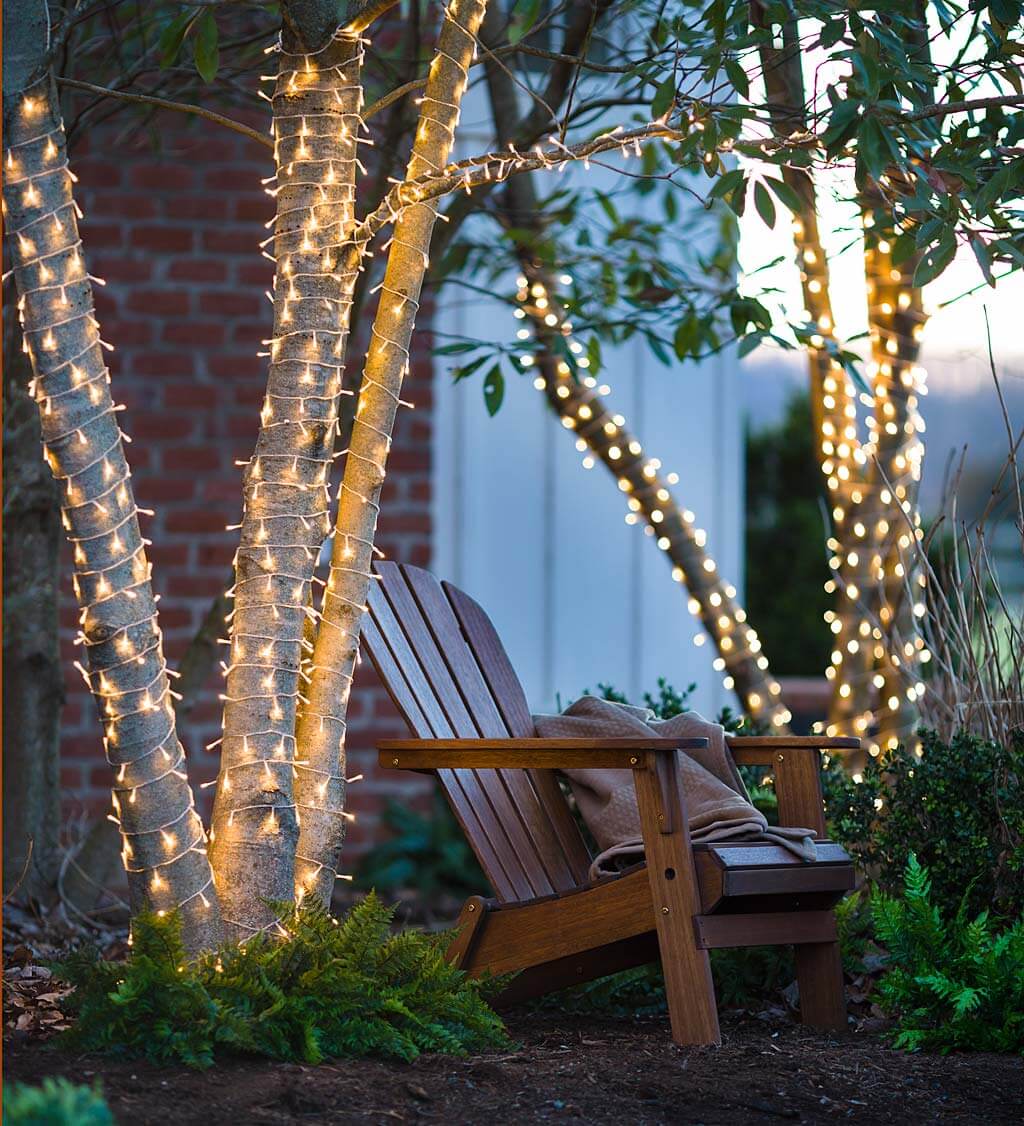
x=445 y=668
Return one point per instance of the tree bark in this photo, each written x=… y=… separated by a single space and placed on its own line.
x=320 y=784
x=316 y=113
x=164 y=840
x=33 y=690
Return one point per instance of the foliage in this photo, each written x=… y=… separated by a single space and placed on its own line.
x=428 y=853
x=786 y=564
x=959 y=808
x=55 y=1102
x=321 y=989
x=950 y=982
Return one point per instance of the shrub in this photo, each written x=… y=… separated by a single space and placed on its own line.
x=950 y=983
x=56 y=1102
x=959 y=808
x=324 y=989
x=428 y=853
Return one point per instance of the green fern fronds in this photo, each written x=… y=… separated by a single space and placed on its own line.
x=326 y=989
x=55 y=1102
x=951 y=984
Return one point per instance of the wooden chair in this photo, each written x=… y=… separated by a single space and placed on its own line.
x=444 y=666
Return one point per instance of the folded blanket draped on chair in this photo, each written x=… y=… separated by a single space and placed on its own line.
x=716 y=799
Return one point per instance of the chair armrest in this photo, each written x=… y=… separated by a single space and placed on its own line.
x=762 y=750
x=795 y=761
x=527 y=754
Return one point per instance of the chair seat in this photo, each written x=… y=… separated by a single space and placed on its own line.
x=755 y=876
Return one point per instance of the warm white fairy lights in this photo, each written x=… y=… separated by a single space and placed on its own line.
x=164 y=846
x=317 y=105
x=576 y=396
x=872 y=488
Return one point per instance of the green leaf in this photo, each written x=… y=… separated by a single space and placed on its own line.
x=172 y=38
x=872 y=146
x=763 y=203
x=935 y=260
x=981 y=252
x=664 y=97
x=522 y=17
x=494 y=390
x=205 y=48
x=738 y=77
x=785 y=193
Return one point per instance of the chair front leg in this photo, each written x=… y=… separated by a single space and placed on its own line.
x=676 y=897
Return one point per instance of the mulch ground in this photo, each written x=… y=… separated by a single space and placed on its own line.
x=591 y=1069
x=587 y=1068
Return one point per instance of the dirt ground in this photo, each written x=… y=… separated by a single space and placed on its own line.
x=591 y=1069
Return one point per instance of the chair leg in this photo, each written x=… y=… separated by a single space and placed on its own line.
x=819 y=974
x=670 y=868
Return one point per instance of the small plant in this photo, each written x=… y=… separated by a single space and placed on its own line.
x=950 y=983
x=428 y=853
x=959 y=808
x=322 y=989
x=56 y=1102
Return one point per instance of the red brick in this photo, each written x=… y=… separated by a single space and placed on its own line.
x=259 y=272
x=97 y=235
x=115 y=268
x=197 y=269
x=195 y=521
x=226 y=303
x=196 y=395
x=124 y=205
x=162 y=177
x=232 y=240
x=191 y=335
x=257 y=209
x=205 y=208
x=161 y=427
x=159 y=490
x=159 y=302
x=94 y=173
x=161 y=238
x=192 y=459
x=234 y=366
x=161 y=363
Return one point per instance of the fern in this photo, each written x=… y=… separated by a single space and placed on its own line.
x=56 y=1102
x=326 y=989
x=951 y=984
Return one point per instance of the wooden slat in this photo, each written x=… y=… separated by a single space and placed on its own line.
x=398 y=666
x=497 y=670
x=483 y=640
x=505 y=760
x=574 y=969
x=500 y=821
x=780 y=742
x=754 y=854
x=522 y=935
x=764 y=928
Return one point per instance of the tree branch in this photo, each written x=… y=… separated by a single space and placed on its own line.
x=166 y=103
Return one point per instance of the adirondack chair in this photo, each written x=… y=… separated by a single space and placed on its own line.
x=446 y=670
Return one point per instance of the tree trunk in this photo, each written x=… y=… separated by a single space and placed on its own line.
x=316 y=110
x=572 y=397
x=33 y=677
x=164 y=840
x=320 y=785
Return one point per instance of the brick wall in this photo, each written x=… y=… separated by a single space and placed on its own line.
x=175 y=235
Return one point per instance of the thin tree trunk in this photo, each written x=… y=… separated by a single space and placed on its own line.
x=33 y=692
x=316 y=114
x=583 y=413
x=896 y=316
x=164 y=840
x=320 y=785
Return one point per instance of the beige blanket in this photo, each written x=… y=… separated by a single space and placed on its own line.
x=716 y=799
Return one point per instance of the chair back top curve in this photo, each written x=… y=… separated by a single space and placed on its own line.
x=445 y=668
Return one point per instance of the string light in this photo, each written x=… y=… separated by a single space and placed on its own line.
x=574 y=397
